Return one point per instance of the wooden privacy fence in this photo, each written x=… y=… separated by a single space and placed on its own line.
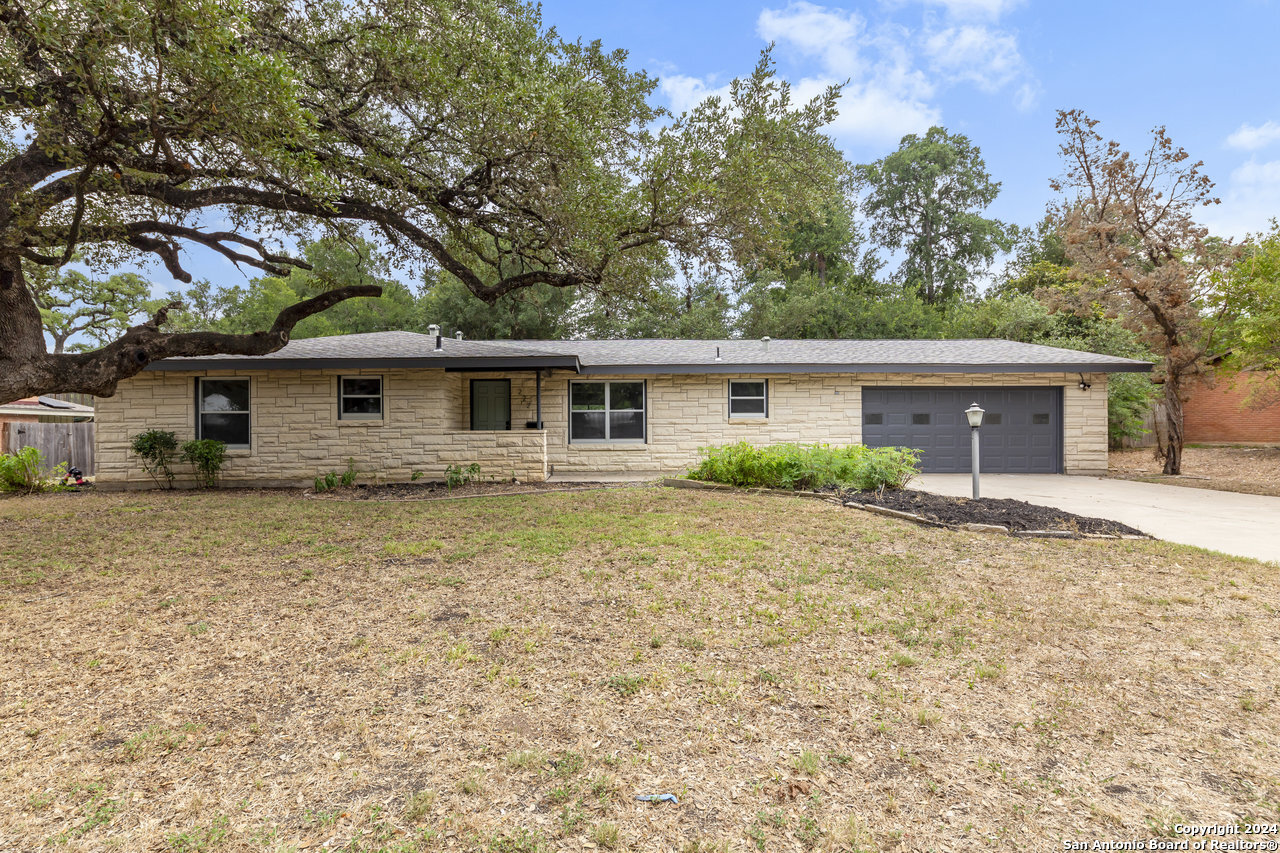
x=69 y=443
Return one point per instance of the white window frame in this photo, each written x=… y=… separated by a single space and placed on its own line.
x=749 y=415
x=380 y=397
x=200 y=412
x=644 y=411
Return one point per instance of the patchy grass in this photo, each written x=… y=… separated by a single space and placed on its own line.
x=251 y=671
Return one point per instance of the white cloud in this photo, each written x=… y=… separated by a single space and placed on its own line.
x=885 y=98
x=969 y=9
x=892 y=73
x=1251 y=138
x=1249 y=201
x=684 y=92
x=988 y=58
x=830 y=34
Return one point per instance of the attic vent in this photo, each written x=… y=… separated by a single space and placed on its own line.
x=458 y=335
x=433 y=330
x=765 y=341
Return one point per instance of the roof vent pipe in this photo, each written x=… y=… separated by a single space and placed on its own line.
x=718 y=354
x=765 y=341
x=458 y=335
x=433 y=330
x=439 y=343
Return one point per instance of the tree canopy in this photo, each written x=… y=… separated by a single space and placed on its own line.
x=927 y=198
x=463 y=134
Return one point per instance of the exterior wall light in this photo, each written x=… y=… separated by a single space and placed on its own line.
x=974 y=413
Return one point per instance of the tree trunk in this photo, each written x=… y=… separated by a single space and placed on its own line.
x=1171 y=436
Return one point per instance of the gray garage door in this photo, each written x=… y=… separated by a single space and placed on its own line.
x=1021 y=433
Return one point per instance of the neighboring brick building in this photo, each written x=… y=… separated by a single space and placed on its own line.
x=1223 y=412
x=397 y=402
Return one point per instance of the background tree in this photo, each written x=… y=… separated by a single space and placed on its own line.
x=686 y=309
x=74 y=304
x=1252 y=298
x=1136 y=249
x=927 y=199
x=130 y=127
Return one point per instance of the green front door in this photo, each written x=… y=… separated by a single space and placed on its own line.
x=491 y=404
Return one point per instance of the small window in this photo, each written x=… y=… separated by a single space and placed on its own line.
x=222 y=411
x=920 y=418
x=606 y=411
x=360 y=398
x=749 y=399
x=875 y=419
x=1040 y=418
x=993 y=419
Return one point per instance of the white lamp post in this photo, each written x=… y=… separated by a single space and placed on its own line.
x=974 y=413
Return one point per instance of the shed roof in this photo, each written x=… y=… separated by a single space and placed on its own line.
x=409 y=349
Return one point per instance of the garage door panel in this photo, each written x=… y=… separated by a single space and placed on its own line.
x=1024 y=433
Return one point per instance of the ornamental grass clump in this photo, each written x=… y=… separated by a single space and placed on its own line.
x=808 y=466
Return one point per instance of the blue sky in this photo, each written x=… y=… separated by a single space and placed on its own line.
x=995 y=70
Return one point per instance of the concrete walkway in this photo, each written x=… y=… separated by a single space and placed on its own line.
x=1243 y=525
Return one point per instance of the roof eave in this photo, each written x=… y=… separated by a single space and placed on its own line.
x=1008 y=367
x=430 y=362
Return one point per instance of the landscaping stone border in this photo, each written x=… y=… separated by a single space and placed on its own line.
x=997 y=529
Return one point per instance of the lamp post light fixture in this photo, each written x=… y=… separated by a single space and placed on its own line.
x=974 y=413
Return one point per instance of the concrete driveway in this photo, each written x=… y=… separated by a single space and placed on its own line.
x=1244 y=525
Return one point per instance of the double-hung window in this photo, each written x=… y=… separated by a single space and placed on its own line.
x=222 y=411
x=360 y=398
x=606 y=411
x=749 y=399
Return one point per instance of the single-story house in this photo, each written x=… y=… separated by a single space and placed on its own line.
x=396 y=403
x=30 y=410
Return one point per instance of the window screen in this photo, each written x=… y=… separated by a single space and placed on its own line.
x=606 y=411
x=749 y=399
x=222 y=411
x=360 y=398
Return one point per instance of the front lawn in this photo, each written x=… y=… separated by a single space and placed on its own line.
x=255 y=671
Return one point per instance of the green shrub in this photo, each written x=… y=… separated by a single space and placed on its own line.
x=206 y=457
x=20 y=472
x=456 y=475
x=1129 y=397
x=814 y=466
x=157 y=448
x=326 y=482
x=349 y=476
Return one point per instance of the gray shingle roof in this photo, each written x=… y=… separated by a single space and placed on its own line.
x=408 y=349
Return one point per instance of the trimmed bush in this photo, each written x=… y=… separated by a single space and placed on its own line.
x=808 y=466
x=158 y=448
x=206 y=457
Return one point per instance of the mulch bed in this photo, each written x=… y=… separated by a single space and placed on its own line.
x=439 y=491
x=1015 y=515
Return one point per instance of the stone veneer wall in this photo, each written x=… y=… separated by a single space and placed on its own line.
x=296 y=434
x=689 y=411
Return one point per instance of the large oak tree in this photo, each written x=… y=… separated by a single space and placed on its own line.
x=141 y=128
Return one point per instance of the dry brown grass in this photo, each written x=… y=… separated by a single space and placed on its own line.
x=1251 y=469
x=252 y=671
